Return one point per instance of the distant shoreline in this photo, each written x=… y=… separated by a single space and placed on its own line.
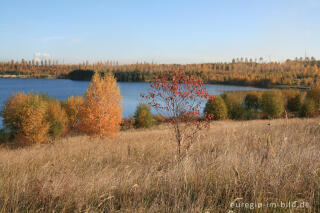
x=28 y=76
x=13 y=76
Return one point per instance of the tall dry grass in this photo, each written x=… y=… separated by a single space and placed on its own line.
x=247 y=161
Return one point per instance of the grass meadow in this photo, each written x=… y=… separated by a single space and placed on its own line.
x=232 y=164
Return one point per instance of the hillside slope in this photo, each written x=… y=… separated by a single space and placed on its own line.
x=252 y=161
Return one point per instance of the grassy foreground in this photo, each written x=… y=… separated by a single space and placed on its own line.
x=245 y=162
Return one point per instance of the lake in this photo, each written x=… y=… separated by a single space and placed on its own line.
x=63 y=88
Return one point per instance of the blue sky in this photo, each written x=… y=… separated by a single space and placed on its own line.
x=166 y=31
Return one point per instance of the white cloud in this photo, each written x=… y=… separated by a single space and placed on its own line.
x=41 y=56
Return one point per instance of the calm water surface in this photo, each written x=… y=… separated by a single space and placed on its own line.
x=62 y=89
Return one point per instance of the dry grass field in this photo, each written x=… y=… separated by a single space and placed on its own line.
x=242 y=162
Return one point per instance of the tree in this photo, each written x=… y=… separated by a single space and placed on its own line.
x=314 y=94
x=233 y=103
x=308 y=108
x=289 y=97
x=25 y=117
x=264 y=74
x=294 y=103
x=143 y=116
x=272 y=103
x=72 y=107
x=57 y=118
x=216 y=108
x=179 y=97
x=251 y=101
x=101 y=112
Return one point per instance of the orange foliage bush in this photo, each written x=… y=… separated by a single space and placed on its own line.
x=25 y=117
x=101 y=112
x=72 y=107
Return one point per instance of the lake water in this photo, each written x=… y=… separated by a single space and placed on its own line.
x=63 y=88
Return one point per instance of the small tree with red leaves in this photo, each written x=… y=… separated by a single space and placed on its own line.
x=179 y=98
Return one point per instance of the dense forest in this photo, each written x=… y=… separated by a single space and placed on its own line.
x=300 y=72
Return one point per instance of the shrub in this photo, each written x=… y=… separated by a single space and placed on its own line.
x=143 y=116
x=100 y=114
x=72 y=107
x=235 y=111
x=217 y=108
x=288 y=94
x=233 y=103
x=179 y=97
x=314 y=94
x=272 y=103
x=250 y=114
x=251 y=101
x=127 y=123
x=25 y=117
x=294 y=103
x=308 y=108
x=158 y=119
x=4 y=136
x=57 y=118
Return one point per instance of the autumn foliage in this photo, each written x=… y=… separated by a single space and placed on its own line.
x=72 y=107
x=36 y=118
x=100 y=115
x=241 y=71
x=57 y=119
x=25 y=117
x=179 y=97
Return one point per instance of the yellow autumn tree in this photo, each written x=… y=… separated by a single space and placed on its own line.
x=72 y=107
x=25 y=117
x=100 y=115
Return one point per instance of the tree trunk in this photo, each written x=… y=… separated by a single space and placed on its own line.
x=179 y=139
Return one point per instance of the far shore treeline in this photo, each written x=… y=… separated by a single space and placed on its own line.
x=300 y=73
